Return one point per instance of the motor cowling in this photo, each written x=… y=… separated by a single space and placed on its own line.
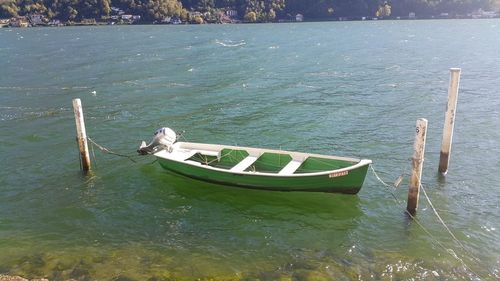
x=163 y=138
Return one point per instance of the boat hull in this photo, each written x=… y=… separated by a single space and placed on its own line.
x=349 y=183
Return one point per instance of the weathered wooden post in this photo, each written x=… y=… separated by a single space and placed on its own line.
x=418 y=159
x=81 y=135
x=449 y=122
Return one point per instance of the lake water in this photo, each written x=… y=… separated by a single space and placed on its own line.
x=340 y=88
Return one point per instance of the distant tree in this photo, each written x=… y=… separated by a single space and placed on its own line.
x=105 y=6
x=159 y=9
x=384 y=10
x=189 y=4
x=30 y=7
x=264 y=10
x=251 y=10
x=311 y=9
x=184 y=15
x=205 y=5
x=226 y=3
x=271 y=15
x=251 y=17
x=8 y=8
x=71 y=13
x=92 y=9
x=198 y=20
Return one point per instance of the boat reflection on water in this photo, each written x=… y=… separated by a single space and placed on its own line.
x=265 y=227
x=336 y=206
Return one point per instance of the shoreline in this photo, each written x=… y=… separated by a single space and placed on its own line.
x=95 y=23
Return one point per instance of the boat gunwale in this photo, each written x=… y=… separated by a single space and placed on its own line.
x=295 y=155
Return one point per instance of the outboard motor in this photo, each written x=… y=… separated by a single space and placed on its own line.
x=163 y=138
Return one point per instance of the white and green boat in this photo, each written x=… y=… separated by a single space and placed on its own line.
x=257 y=168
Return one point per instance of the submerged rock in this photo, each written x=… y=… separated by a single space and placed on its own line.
x=79 y=273
x=31 y=265
x=18 y=278
x=122 y=278
x=12 y=278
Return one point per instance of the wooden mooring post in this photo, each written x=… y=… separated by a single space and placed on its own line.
x=449 y=122
x=81 y=135
x=418 y=159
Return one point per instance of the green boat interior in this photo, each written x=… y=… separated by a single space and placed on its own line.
x=267 y=162
x=270 y=163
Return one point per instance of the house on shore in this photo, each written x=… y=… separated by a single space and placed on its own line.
x=4 y=22
x=223 y=18
x=19 y=22
x=55 y=22
x=232 y=13
x=194 y=14
x=126 y=18
x=229 y=15
x=37 y=19
x=444 y=15
x=480 y=14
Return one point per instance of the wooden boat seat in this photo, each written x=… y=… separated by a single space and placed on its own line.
x=208 y=152
x=291 y=167
x=185 y=154
x=244 y=164
x=182 y=154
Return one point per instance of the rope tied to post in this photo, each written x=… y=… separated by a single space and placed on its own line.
x=109 y=151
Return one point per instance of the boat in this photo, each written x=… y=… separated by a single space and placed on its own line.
x=256 y=168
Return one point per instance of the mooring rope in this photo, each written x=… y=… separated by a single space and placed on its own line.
x=181 y=135
x=378 y=178
x=433 y=238
x=93 y=155
x=106 y=150
x=476 y=259
x=439 y=217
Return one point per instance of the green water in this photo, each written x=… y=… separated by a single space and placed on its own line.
x=346 y=88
